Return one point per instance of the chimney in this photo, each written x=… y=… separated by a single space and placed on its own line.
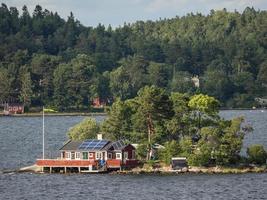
x=99 y=136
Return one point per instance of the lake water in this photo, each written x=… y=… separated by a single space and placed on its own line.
x=21 y=144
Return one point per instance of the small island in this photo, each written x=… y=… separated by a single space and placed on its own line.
x=159 y=126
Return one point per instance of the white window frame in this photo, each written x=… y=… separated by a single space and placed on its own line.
x=98 y=155
x=125 y=155
x=77 y=155
x=91 y=155
x=118 y=156
x=71 y=153
x=68 y=155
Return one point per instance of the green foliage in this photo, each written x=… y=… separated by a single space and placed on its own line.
x=87 y=129
x=226 y=50
x=26 y=89
x=141 y=151
x=204 y=104
x=257 y=154
x=171 y=149
x=186 y=146
x=118 y=123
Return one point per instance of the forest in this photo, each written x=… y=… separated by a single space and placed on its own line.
x=47 y=60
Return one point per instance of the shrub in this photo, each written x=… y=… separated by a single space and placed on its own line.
x=87 y=129
x=171 y=149
x=141 y=151
x=257 y=154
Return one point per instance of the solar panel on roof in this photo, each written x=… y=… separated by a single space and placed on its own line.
x=93 y=144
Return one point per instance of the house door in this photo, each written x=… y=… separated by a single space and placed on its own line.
x=103 y=156
x=125 y=156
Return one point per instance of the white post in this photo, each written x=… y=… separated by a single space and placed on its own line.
x=43 y=135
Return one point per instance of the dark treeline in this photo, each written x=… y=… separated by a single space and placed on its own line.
x=45 y=59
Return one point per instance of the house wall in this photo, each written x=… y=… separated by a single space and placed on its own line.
x=130 y=149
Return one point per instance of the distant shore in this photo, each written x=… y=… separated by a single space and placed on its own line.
x=38 y=114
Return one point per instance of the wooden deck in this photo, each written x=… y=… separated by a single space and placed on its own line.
x=82 y=166
x=64 y=163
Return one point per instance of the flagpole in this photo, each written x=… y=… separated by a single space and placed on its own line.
x=43 y=135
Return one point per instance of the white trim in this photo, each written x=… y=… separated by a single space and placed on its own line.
x=77 y=155
x=71 y=154
x=118 y=156
x=68 y=155
x=91 y=155
x=98 y=155
x=125 y=155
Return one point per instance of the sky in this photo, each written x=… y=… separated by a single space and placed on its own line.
x=116 y=12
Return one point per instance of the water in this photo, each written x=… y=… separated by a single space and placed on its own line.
x=21 y=144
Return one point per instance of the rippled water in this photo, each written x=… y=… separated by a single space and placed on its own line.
x=21 y=144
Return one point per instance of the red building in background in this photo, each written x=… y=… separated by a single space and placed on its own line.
x=97 y=103
x=13 y=108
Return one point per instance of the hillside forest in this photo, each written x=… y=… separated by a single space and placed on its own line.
x=62 y=64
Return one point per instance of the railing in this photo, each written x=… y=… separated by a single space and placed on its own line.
x=113 y=163
x=64 y=163
x=131 y=163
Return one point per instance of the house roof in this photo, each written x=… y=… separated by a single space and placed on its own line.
x=117 y=146
x=71 y=145
x=93 y=145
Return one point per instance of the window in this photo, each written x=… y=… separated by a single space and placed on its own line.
x=133 y=154
x=85 y=155
x=98 y=155
x=91 y=155
x=67 y=155
x=72 y=155
x=125 y=155
x=118 y=155
x=77 y=155
x=110 y=155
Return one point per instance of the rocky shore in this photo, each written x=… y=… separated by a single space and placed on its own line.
x=167 y=170
x=196 y=170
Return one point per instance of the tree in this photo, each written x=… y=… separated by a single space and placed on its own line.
x=171 y=149
x=87 y=129
x=26 y=88
x=62 y=97
x=179 y=125
x=217 y=84
x=182 y=82
x=154 y=106
x=257 y=154
x=118 y=123
x=119 y=84
x=231 y=141
x=158 y=74
x=5 y=84
x=205 y=109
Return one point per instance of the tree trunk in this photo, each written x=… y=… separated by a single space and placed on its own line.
x=150 y=132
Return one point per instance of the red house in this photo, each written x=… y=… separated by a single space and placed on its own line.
x=13 y=108
x=92 y=155
x=98 y=103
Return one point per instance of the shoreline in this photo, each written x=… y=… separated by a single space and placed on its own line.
x=160 y=171
x=38 y=114
x=54 y=114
